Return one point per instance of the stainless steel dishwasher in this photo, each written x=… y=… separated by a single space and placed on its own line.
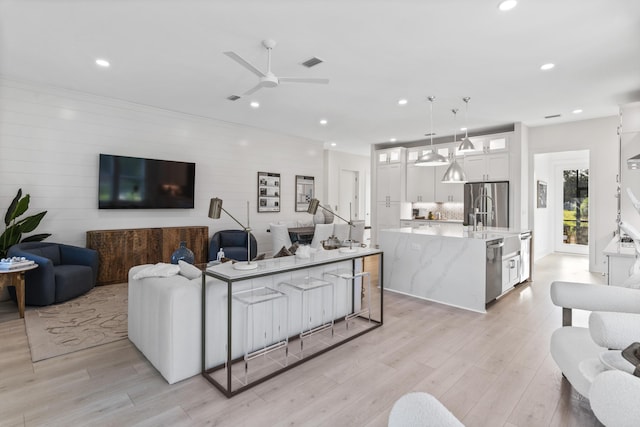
x=494 y=269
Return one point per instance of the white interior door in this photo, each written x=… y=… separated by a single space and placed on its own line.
x=349 y=194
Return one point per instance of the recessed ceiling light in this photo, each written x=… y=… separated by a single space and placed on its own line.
x=547 y=67
x=323 y=122
x=463 y=129
x=102 y=62
x=402 y=102
x=333 y=144
x=255 y=104
x=507 y=5
x=392 y=140
x=577 y=111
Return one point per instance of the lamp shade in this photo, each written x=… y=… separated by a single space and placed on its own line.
x=215 y=208
x=432 y=158
x=313 y=206
x=454 y=174
x=466 y=146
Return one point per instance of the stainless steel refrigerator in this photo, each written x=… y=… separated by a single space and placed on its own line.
x=489 y=201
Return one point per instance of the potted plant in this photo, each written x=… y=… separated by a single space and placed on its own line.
x=14 y=227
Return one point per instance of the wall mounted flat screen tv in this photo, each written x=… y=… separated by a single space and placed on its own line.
x=136 y=183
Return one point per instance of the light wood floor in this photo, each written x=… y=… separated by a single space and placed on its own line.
x=489 y=370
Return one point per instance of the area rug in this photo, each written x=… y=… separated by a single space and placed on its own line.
x=96 y=318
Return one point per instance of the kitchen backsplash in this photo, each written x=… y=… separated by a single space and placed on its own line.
x=447 y=210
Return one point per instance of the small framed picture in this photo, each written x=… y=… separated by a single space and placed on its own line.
x=268 y=192
x=542 y=194
x=304 y=192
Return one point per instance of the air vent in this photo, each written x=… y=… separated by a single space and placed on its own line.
x=552 y=116
x=312 y=62
x=233 y=97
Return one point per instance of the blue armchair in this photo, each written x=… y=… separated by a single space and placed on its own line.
x=63 y=272
x=233 y=243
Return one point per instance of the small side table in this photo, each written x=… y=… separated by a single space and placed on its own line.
x=15 y=278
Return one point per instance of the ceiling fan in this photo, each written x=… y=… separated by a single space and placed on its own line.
x=269 y=79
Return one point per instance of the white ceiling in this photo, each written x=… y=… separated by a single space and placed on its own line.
x=168 y=54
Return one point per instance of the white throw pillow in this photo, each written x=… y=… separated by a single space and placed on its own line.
x=189 y=271
x=161 y=269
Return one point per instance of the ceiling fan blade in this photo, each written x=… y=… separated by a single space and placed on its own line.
x=253 y=89
x=240 y=60
x=302 y=80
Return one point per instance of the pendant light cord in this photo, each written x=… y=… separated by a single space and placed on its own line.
x=466 y=116
x=431 y=99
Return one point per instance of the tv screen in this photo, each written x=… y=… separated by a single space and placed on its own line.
x=136 y=183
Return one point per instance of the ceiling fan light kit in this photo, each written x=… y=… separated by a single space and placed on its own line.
x=268 y=79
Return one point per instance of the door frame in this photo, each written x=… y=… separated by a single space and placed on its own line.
x=558 y=215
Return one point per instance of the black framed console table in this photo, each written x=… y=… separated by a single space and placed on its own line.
x=259 y=323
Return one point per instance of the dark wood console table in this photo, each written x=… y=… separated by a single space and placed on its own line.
x=119 y=250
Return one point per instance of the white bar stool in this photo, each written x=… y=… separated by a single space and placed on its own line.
x=350 y=275
x=250 y=299
x=305 y=286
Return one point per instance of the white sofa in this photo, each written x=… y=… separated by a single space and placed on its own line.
x=165 y=318
x=164 y=322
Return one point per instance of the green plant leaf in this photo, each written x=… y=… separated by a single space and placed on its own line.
x=30 y=223
x=36 y=237
x=21 y=207
x=12 y=207
x=10 y=237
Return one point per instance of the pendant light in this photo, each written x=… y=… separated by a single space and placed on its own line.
x=454 y=174
x=466 y=145
x=432 y=158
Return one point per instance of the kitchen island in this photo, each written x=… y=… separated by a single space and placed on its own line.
x=445 y=263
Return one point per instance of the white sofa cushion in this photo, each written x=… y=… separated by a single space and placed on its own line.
x=614 y=330
x=189 y=271
x=160 y=269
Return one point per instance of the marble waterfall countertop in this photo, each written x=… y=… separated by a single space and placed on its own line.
x=444 y=263
x=456 y=229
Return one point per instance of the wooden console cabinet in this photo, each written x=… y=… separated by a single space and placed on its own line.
x=119 y=250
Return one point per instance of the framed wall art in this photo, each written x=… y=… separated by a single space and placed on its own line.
x=268 y=192
x=305 y=190
x=542 y=194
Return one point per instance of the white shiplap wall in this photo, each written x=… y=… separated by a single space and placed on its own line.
x=50 y=140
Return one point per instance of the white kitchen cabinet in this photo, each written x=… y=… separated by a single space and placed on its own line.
x=620 y=261
x=388 y=215
x=510 y=271
x=389 y=155
x=447 y=192
x=487 y=167
x=420 y=184
x=389 y=183
x=487 y=145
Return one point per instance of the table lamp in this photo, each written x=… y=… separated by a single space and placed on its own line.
x=215 y=207
x=314 y=204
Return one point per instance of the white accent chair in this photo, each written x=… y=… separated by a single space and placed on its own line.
x=421 y=410
x=357 y=231
x=613 y=324
x=279 y=236
x=341 y=231
x=322 y=232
